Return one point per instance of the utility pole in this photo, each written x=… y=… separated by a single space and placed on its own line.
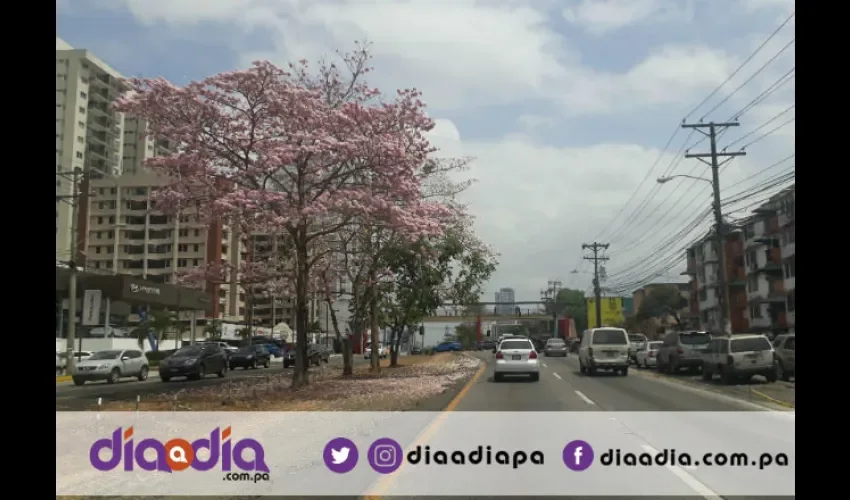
x=597 y=288
x=550 y=294
x=713 y=161
x=72 y=267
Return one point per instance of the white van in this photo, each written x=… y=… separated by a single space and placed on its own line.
x=604 y=348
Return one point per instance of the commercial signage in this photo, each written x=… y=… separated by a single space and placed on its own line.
x=612 y=312
x=146 y=289
x=91 y=307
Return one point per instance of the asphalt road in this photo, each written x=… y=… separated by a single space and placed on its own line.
x=73 y=398
x=562 y=388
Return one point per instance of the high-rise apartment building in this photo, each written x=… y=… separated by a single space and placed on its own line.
x=505 y=301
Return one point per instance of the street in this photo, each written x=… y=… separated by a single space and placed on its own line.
x=73 y=398
x=562 y=388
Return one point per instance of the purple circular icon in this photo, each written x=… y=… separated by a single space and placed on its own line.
x=340 y=455
x=578 y=455
x=385 y=455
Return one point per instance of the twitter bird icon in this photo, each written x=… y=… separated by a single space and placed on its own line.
x=340 y=455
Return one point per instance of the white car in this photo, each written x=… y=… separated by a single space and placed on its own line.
x=111 y=366
x=604 y=348
x=516 y=356
x=382 y=352
x=647 y=356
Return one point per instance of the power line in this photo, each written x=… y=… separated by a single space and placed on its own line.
x=763 y=125
x=740 y=67
x=757 y=174
x=770 y=90
x=768 y=133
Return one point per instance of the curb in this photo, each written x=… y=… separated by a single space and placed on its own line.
x=63 y=378
x=773 y=400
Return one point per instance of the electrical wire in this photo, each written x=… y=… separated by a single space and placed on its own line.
x=770 y=90
x=768 y=133
x=741 y=66
x=763 y=125
x=748 y=80
x=769 y=167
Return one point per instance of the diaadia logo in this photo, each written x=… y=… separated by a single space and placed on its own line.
x=246 y=455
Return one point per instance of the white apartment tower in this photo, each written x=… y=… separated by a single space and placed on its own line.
x=505 y=298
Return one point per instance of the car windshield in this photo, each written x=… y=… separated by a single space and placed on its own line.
x=105 y=355
x=695 y=338
x=555 y=342
x=610 y=337
x=636 y=337
x=654 y=345
x=750 y=344
x=187 y=351
x=515 y=344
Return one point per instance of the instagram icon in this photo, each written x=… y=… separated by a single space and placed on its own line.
x=385 y=455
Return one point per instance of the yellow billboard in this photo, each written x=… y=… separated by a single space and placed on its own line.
x=612 y=312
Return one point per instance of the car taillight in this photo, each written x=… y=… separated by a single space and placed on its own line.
x=499 y=355
x=679 y=350
x=730 y=360
x=532 y=355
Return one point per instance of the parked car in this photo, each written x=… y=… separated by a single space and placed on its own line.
x=194 y=362
x=448 y=346
x=555 y=347
x=647 y=356
x=486 y=345
x=604 y=349
x=251 y=356
x=516 y=356
x=274 y=350
x=316 y=355
x=786 y=363
x=738 y=358
x=682 y=350
x=111 y=366
x=415 y=350
x=636 y=342
x=382 y=351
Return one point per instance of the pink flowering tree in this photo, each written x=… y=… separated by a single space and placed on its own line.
x=269 y=152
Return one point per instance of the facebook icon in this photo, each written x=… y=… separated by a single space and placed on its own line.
x=578 y=455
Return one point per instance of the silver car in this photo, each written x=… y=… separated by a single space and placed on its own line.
x=516 y=357
x=555 y=347
x=112 y=366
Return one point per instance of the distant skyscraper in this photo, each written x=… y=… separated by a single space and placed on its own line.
x=505 y=298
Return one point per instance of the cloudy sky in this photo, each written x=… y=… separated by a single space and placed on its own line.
x=566 y=105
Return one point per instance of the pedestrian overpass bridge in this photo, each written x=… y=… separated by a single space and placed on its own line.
x=457 y=314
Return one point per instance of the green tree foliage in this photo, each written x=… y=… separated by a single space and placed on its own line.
x=427 y=275
x=572 y=303
x=662 y=302
x=212 y=330
x=466 y=335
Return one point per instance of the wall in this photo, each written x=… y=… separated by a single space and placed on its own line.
x=106 y=344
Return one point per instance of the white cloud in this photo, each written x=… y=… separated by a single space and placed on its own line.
x=600 y=17
x=536 y=201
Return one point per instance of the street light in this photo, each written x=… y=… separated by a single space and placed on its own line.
x=662 y=180
x=719 y=241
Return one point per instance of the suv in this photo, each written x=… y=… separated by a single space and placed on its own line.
x=739 y=357
x=682 y=350
x=636 y=341
x=604 y=349
x=111 y=366
x=786 y=366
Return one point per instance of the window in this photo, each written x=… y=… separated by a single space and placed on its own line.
x=81 y=124
x=98 y=235
x=515 y=344
x=82 y=110
x=96 y=249
x=753 y=284
x=791 y=302
x=609 y=337
x=181 y=262
x=694 y=338
x=755 y=312
x=183 y=232
x=702 y=295
x=100 y=220
x=81 y=139
x=182 y=247
x=79 y=155
x=83 y=95
x=751 y=344
x=196 y=248
x=791 y=344
x=197 y=232
x=790 y=270
x=196 y=262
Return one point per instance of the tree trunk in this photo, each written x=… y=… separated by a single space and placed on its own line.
x=375 y=330
x=343 y=340
x=299 y=375
x=396 y=345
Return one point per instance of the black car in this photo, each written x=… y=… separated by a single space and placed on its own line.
x=251 y=356
x=316 y=354
x=486 y=345
x=194 y=362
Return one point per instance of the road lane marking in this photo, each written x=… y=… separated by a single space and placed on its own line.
x=692 y=482
x=585 y=398
x=385 y=483
x=557 y=376
x=544 y=365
